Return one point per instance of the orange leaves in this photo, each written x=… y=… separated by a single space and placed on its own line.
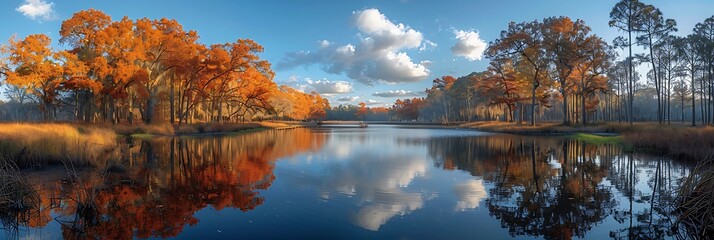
x=318 y=105
x=362 y=110
x=36 y=67
x=83 y=28
x=153 y=60
x=297 y=105
x=408 y=109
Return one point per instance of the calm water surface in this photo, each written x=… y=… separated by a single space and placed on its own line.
x=360 y=183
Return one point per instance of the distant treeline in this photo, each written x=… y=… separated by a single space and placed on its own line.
x=557 y=70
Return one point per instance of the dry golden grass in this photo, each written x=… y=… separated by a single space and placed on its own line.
x=29 y=144
x=680 y=141
x=557 y=127
x=16 y=193
x=202 y=128
x=544 y=127
x=153 y=129
x=695 y=201
x=274 y=124
x=677 y=139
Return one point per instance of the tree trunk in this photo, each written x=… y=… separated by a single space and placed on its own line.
x=694 y=114
x=584 y=111
x=219 y=118
x=566 y=118
x=149 y=110
x=629 y=69
x=682 y=109
x=702 y=102
x=172 y=110
x=711 y=103
x=656 y=81
x=533 y=101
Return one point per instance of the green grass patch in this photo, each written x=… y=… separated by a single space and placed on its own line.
x=597 y=139
x=142 y=135
x=248 y=130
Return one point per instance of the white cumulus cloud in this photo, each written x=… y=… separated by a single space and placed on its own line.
x=330 y=87
x=347 y=99
x=468 y=45
x=37 y=10
x=373 y=102
x=397 y=93
x=378 y=57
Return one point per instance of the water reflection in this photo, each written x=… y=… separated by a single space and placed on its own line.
x=163 y=182
x=470 y=194
x=559 y=188
x=377 y=182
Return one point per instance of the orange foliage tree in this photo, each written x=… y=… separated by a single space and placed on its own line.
x=33 y=66
x=152 y=68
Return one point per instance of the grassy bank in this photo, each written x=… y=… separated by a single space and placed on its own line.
x=30 y=145
x=695 y=143
x=597 y=139
x=547 y=128
x=42 y=144
x=143 y=130
x=677 y=140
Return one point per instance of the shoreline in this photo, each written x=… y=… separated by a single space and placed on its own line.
x=37 y=140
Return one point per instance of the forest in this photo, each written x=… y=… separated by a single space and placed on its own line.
x=138 y=127
x=149 y=70
x=553 y=70
x=557 y=70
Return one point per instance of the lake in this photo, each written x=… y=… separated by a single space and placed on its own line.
x=342 y=182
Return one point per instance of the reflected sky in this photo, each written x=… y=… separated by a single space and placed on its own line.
x=363 y=183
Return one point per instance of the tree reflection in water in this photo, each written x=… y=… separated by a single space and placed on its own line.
x=545 y=187
x=163 y=182
x=558 y=188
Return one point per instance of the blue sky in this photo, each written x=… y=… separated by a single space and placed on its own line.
x=350 y=51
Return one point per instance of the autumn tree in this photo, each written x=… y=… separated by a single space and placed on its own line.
x=463 y=96
x=523 y=42
x=118 y=70
x=439 y=92
x=33 y=66
x=408 y=109
x=83 y=33
x=362 y=111
x=159 y=40
x=565 y=40
x=502 y=86
x=318 y=106
x=590 y=75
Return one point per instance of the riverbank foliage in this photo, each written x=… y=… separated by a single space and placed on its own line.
x=29 y=145
x=695 y=201
x=695 y=143
x=597 y=139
